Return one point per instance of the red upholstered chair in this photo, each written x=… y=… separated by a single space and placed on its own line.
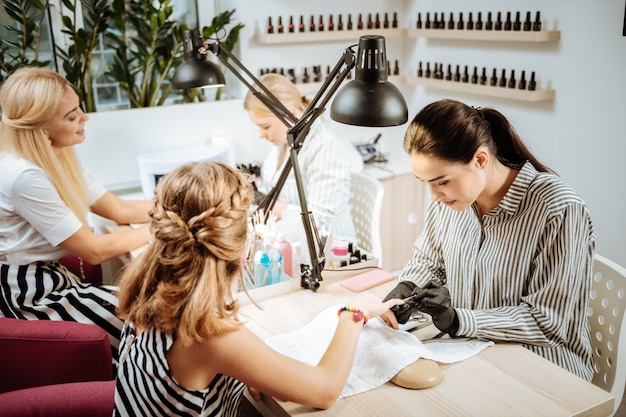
x=60 y=367
x=93 y=273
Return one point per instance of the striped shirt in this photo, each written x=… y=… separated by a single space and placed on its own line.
x=326 y=163
x=145 y=386
x=522 y=273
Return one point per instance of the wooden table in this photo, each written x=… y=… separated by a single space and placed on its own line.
x=503 y=380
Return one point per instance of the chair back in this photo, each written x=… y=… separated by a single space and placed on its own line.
x=366 y=200
x=608 y=327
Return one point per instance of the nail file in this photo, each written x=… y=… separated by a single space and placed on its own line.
x=367 y=280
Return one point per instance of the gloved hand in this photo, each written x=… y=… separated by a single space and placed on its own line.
x=434 y=299
x=403 y=290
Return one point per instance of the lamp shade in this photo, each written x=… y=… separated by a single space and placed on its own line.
x=369 y=99
x=197 y=71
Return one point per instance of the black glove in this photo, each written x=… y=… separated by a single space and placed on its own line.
x=434 y=300
x=403 y=290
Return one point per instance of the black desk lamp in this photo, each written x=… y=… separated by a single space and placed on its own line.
x=368 y=100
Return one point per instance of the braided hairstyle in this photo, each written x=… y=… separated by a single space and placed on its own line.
x=182 y=284
x=454 y=131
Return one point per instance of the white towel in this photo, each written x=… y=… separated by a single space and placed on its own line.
x=382 y=352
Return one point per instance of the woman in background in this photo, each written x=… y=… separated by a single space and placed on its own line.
x=44 y=199
x=325 y=161
x=507 y=249
x=184 y=351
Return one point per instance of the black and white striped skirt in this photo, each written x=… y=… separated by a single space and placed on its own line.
x=48 y=291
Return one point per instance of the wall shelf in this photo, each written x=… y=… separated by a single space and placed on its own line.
x=309 y=89
x=487 y=35
x=326 y=36
x=485 y=90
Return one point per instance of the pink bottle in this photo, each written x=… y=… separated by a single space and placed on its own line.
x=284 y=248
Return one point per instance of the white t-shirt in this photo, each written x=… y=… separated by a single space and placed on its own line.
x=33 y=218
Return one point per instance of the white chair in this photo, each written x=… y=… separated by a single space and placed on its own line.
x=608 y=327
x=366 y=200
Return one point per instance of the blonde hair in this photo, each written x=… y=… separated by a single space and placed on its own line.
x=284 y=90
x=29 y=99
x=182 y=283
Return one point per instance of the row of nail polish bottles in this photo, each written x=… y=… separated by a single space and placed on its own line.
x=436 y=71
x=438 y=22
x=373 y=21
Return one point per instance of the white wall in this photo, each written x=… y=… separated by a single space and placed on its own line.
x=581 y=134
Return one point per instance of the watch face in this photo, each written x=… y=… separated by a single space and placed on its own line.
x=366 y=149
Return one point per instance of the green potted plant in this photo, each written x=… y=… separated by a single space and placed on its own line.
x=22 y=37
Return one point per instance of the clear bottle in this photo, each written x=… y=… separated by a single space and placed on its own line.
x=340 y=254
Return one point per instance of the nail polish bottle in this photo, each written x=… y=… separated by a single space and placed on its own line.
x=420 y=71
x=349 y=22
x=512 y=81
x=386 y=21
x=470 y=22
x=317 y=73
x=427 y=72
x=291 y=75
x=320 y=25
x=483 y=77
x=522 y=81
x=279 y=27
x=479 y=22
x=537 y=23
x=508 y=25
x=327 y=71
x=301 y=25
x=340 y=23
x=442 y=21
x=396 y=68
x=427 y=24
x=517 y=25
x=418 y=25
x=528 y=24
x=449 y=73
x=457 y=74
x=502 y=82
x=331 y=25
x=394 y=22
x=435 y=24
x=359 y=23
x=460 y=25
x=305 y=76
x=440 y=71
x=498 y=25
x=377 y=21
x=465 y=75
x=532 y=85
x=451 y=21
x=291 y=27
x=475 y=76
x=312 y=24
x=281 y=71
x=488 y=23
x=270 y=27
x=388 y=68
x=493 y=81
x=370 y=22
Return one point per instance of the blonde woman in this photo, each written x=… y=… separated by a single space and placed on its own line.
x=325 y=161
x=44 y=199
x=183 y=349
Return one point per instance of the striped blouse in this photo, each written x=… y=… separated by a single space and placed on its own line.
x=522 y=273
x=145 y=386
x=326 y=163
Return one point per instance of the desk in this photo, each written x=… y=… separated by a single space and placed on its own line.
x=503 y=380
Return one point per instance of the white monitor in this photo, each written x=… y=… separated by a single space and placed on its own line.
x=154 y=165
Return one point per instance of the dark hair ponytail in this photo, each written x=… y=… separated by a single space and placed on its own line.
x=454 y=131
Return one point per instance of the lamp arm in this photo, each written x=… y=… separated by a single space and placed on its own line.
x=298 y=129
x=261 y=92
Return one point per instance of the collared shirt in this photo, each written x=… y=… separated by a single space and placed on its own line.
x=326 y=163
x=520 y=273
